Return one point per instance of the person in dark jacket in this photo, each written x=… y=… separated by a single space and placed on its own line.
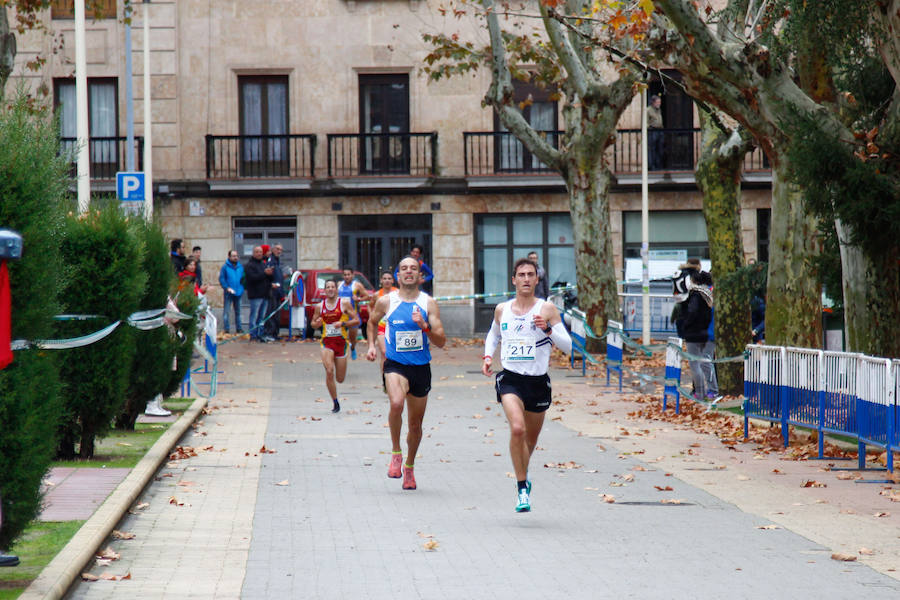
x=259 y=282
x=196 y=254
x=695 y=328
x=276 y=295
x=177 y=255
x=542 y=288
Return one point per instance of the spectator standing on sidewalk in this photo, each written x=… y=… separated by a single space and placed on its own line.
x=188 y=277
x=259 y=284
x=177 y=255
x=695 y=329
x=542 y=288
x=709 y=369
x=196 y=252
x=276 y=295
x=231 y=278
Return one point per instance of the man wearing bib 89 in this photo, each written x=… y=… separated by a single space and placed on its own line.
x=413 y=323
x=526 y=328
x=335 y=315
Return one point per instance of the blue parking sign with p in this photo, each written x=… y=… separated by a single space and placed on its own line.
x=130 y=186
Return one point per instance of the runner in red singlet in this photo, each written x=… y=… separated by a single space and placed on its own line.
x=334 y=315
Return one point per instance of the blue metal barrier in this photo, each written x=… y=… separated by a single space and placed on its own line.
x=673 y=372
x=832 y=392
x=614 y=350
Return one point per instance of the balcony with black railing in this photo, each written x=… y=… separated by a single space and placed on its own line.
x=489 y=153
x=261 y=156
x=107 y=155
x=501 y=153
x=382 y=154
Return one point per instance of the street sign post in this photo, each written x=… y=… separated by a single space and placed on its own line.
x=130 y=186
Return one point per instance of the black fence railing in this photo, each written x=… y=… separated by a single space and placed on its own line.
x=499 y=152
x=260 y=156
x=401 y=153
x=669 y=150
x=107 y=154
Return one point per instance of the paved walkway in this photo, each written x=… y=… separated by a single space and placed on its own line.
x=286 y=500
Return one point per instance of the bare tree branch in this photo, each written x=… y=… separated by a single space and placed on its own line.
x=500 y=96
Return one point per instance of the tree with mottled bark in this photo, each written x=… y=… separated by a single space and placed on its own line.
x=784 y=93
x=594 y=91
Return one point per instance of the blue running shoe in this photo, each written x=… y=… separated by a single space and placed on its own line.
x=524 y=504
x=353 y=352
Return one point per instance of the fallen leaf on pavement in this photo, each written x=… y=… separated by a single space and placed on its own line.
x=430 y=545
x=608 y=498
x=667 y=488
x=285 y=482
x=866 y=551
x=122 y=535
x=743 y=478
x=768 y=527
x=424 y=535
x=142 y=505
x=843 y=557
x=89 y=577
x=809 y=483
x=628 y=477
x=671 y=501
x=882 y=514
x=109 y=554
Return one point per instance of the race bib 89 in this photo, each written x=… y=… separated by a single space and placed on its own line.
x=408 y=341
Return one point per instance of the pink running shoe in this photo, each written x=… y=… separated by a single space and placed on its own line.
x=409 y=480
x=394 y=471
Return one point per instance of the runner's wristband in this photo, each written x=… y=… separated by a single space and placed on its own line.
x=547 y=330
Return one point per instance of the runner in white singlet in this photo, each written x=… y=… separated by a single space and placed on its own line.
x=525 y=328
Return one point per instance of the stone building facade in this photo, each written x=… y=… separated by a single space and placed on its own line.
x=311 y=123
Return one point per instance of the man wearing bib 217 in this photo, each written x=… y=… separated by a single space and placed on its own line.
x=526 y=328
x=412 y=323
x=334 y=315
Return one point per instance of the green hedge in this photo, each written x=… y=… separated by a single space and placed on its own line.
x=104 y=255
x=152 y=365
x=33 y=186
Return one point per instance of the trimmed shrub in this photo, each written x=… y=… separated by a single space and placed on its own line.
x=33 y=186
x=186 y=332
x=152 y=366
x=104 y=255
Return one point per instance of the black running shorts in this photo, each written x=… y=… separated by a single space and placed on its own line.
x=533 y=390
x=418 y=376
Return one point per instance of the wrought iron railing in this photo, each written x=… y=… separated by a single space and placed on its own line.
x=400 y=153
x=107 y=154
x=260 y=156
x=499 y=152
x=676 y=149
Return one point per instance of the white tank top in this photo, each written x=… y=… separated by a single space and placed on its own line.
x=524 y=349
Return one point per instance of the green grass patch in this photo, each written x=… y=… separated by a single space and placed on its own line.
x=178 y=405
x=35 y=548
x=121 y=449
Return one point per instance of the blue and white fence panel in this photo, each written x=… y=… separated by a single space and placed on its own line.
x=614 y=344
x=673 y=372
x=762 y=383
x=832 y=392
